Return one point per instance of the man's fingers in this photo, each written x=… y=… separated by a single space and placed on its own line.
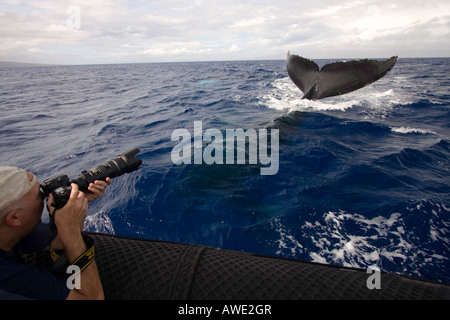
x=74 y=192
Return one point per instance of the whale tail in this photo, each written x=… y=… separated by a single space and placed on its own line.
x=335 y=78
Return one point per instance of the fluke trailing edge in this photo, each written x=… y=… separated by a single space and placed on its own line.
x=335 y=78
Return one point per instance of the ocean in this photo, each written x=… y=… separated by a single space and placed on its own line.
x=361 y=180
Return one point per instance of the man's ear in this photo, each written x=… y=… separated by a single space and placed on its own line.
x=13 y=218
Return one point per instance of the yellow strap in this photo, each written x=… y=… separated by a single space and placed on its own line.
x=53 y=255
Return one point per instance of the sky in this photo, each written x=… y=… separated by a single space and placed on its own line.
x=135 y=31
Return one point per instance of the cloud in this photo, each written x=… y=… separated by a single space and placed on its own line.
x=114 y=31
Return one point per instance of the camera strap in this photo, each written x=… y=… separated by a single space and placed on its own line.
x=84 y=259
x=52 y=225
x=88 y=256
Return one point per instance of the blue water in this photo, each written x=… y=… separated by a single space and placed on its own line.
x=363 y=178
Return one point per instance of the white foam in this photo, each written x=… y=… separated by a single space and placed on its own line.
x=353 y=240
x=286 y=240
x=317 y=258
x=408 y=130
x=379 y=100
x=286 y=96
x=338 y=246
x=99 y=222
x=353 y=249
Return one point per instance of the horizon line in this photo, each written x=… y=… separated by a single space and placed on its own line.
x=9 y=63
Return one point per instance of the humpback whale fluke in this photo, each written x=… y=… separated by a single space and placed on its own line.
x=335 y=78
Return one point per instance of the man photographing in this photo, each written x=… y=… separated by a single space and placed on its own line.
x=21 y=231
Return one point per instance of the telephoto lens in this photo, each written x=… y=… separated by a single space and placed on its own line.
x=124 y=163
x=60 y=187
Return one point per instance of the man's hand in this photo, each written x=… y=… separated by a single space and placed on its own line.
x=97 y=189
x=71 y=216
x=70 y=220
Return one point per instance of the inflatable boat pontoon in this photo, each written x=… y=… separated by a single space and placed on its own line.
x=149 y=269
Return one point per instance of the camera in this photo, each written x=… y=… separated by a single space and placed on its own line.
x=60 y=186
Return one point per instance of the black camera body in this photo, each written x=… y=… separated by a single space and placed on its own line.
x=60 y=186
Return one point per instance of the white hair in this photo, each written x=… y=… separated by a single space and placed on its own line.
x=19 y=204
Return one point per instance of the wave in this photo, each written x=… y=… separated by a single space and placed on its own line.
x=408 y=130
x=411 y=164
